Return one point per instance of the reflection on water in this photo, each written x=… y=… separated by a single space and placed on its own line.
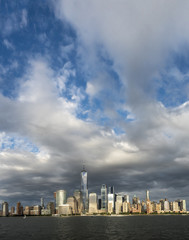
x=127 y=227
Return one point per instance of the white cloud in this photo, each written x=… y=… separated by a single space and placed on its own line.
x=64 y=75
x=8 y=44
x=133 y=35
x=24 y=20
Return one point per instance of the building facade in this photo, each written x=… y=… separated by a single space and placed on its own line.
x=104 y=198
x=84 y=190
x=111 y=200
x=60 y=198
x=72 y=202
x=79 y=199
x=119 y=204
x=93 y=203
x=5 y=209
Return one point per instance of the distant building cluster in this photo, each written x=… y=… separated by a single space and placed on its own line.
x=108 y=202
x=36 y=210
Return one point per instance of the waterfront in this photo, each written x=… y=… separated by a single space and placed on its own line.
x=126 y=227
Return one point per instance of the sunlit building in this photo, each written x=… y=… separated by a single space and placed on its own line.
x=147 y=195
x=45 y=212
x=136 y=208
x=135 y=200
x=27 y=210
x=126 y=198
x=126 y=206
x=111 y=200
x=78 y=197
x=143 y=207
x=183 y=206
x=5 y=209
x=118 y=204
x=64 y=209
x=71 y=201
x=175 y=207
x=60 y=198
x=166 y=206
x=157 y=207
x=149 y=207
x=84 y=190
x=93 y=203
x=35 y=210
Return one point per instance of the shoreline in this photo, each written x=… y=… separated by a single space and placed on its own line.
x=100 y=215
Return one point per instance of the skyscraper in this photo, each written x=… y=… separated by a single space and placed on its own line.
x=183 y=205
x=111 y=199
x=119 y=204
x=42 y=202
x=51 y=207
x=72 y=202
x=60 y=198
x=126 y=198
x=78 y=196
x=19 y=209
x=147 y=195
x=104 y=198
x=5 y=209
x=84 y=190
x=166 y=206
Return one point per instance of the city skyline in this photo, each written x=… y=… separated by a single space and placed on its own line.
x=84 y=203
x=104 y=192
x=105 y=83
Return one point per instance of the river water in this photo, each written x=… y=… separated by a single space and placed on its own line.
x=98 y=227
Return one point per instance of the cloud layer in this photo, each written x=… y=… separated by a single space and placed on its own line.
x=100 y=103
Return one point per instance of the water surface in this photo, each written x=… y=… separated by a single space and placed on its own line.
x=99 y=227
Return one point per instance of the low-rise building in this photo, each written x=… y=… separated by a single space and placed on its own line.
x=136 y=208
x=35 y=210
x=27 y=210
x=45 y=212
x=64 y=209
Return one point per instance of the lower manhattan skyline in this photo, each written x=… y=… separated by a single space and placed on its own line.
x=84 y=203
x=103 y=84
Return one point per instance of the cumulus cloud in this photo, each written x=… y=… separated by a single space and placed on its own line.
x=138 y=39
x=137 y=36
x=60 y=140
x=121 y=47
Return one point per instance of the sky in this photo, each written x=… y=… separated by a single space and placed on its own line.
x=99 y=83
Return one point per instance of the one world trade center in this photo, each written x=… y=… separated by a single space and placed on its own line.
x=84 y=190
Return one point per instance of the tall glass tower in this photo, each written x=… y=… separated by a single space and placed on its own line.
x=104 y=197
x=111 y=199
x=84 y=190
